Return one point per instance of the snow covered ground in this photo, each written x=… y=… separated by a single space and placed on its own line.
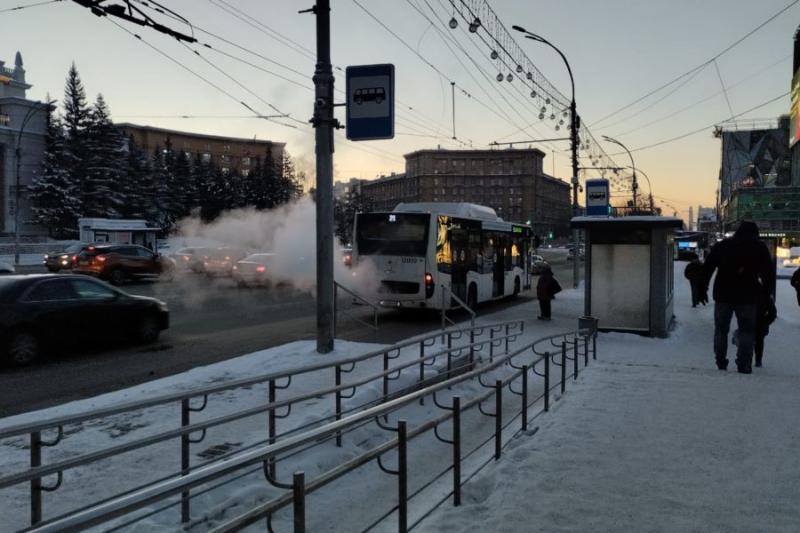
x=652 y=437
x=655 y=438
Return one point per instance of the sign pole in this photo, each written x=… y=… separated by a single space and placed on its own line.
x=323 y=122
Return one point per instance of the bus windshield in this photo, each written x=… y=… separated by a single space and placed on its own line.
x=392 y=234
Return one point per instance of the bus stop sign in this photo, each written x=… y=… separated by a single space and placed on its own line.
x=597 y=198
x=370 y=102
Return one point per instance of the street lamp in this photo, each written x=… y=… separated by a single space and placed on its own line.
x=633 y=166
x=18 y=154
x=649 y=185
x=573 y=137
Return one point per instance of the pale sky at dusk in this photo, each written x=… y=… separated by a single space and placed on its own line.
x=619 y=50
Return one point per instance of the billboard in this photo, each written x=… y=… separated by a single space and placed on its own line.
x=794 y=112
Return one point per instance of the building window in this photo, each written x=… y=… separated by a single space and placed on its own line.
x=205 y=157
x=227 y=147
x=188 y=155
x=246 y=161
x=245 y=172
x=5 y=120
x=225 y=158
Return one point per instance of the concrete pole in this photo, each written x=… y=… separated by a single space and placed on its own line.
x=573 y=134
x=324 y=123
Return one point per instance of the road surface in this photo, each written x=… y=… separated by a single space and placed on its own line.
x=211 y=320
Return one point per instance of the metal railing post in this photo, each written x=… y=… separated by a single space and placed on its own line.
x=498 y=419
x=36 y=484
x=563 y=366
x=575 y=358
x=186 y=513
x=385 y=376
x=335 y=306
x=457 y=450
x=585 y=352
x=271 y=427
x=524 y=397
x=421 y=368
x=402 y=477
x=507 y=339
x=472 y=346
x=594 y=346
x=338 y=403
x=491 y=344
x=546 y=381
x=449 y=340
x=299 y=501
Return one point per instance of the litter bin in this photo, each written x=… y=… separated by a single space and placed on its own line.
x=629 y=272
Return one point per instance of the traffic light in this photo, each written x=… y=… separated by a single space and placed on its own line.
x=550 y=235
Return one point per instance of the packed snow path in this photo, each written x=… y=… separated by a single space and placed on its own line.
x=655 y=438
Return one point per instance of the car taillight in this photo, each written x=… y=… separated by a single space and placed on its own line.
x=348 y=260
x=429 y=286
x=101 y=258
x=261 y=268
x=227 y=258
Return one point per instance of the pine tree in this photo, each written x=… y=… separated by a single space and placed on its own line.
x=182 y=186
x=162 y=163
x=288 y=182
x=344 y=214
x=105 y=165
x=138 y=188
x=76 y=120
x=53 y=196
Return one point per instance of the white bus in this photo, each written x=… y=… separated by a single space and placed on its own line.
x=419 y=250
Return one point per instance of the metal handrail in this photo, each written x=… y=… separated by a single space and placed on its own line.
x=100 y=513
x=54 y=422
x=460 y=303
x=375 y=308
x=80 y=460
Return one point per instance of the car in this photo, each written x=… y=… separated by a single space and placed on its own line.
x=221 y=260
x=119 y=263
x=538 y=264
x=252 y=270
x=188 y=259
x=55 y=261
x=347 y=257
x=6 y=268
x=39 y=312
x=581 y=254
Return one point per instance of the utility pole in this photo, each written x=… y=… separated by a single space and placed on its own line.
x=18 y=156
x=453 y=93
x=324 y=124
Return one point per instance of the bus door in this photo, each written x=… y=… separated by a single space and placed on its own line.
x=459 y=243
x=499 y=272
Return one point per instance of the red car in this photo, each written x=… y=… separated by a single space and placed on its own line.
x=118 y=263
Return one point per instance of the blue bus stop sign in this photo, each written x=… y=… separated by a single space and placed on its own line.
x=597 y=198
x=370 y=102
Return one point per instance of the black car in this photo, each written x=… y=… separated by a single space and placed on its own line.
x=55 y=261
x=46 y=310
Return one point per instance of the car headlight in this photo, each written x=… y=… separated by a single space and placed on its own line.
x=46 y=256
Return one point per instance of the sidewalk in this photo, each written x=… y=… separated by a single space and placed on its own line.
x=654 y=438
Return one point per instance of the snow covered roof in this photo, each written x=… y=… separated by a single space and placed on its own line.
x=110 y=224
x=651 y=221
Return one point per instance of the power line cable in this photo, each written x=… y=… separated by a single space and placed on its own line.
x=702 y=65
x=26 y=6
x=724 y=90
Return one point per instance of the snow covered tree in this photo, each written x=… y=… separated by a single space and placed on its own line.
x=76 y=119
x=53 y=195
x=105 y=165
x=138 y=188
x=344 y=214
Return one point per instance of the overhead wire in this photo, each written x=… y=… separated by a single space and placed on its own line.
x=724 y=90
x=702 y=65
x=27 y=6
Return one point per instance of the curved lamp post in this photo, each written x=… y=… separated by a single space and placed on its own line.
x=633 y=166
x=649 y=185
x=18 y=154
x=573 y=136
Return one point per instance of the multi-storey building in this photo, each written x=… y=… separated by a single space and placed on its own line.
x=228 y=153
x=23 y=128
x=512 y=182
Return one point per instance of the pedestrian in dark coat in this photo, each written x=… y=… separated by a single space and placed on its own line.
x=694 y=273
x=743 y=267
x=766 y=315
x=796 y=283
x=546 y=290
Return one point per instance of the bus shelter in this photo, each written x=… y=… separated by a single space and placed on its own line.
x=629 y=272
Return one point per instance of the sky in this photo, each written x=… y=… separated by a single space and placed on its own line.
x=619 y=50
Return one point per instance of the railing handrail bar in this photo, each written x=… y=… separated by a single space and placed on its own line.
x=28 y=427
x=130 y=502
x=459 y=301
x=80 y=460
x=357 y=296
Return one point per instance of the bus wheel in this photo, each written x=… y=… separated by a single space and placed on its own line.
x=516 y=287
x=472 y=297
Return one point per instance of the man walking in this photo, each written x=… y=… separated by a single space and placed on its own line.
x=744 y=268
x=694 y=273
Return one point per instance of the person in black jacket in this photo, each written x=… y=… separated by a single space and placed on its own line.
x=694 y=273
x=765 y=315
x=546 y=290
x=743 y=266
x=796 y=283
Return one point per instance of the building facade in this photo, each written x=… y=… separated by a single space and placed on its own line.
x=512 y=182
x=23 y=128
x=228 y=153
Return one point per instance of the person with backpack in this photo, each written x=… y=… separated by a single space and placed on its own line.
x=694 y=273
x=546 y=290
x=743 y=268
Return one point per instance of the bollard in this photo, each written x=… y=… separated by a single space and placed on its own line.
x=299 y=501
x=185 y=461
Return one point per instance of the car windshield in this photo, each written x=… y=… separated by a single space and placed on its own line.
x=73 y=248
